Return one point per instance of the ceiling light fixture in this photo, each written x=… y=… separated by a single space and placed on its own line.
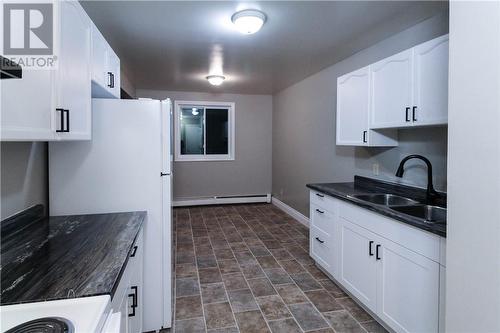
x=248 y=21
x=216 y=80
x=195 y=111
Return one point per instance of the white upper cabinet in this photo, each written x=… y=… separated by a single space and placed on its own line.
x=391 y=90
x=430 y=88
x=99 y=58
x=74 y=98
x=404 y=90
x=105 y=68
x=27 y=107
x=47 y=105
x=352 y=108
x=353 y=104
x=114 y=73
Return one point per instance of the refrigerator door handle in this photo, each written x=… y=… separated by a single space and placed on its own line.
x=164 y=174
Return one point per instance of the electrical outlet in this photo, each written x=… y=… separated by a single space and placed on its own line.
x=281 y=193
x=375 y=169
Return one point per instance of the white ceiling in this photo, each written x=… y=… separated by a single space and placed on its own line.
x=173 y=45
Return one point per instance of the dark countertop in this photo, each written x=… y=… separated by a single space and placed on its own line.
x=47 y=258
x=362 y=185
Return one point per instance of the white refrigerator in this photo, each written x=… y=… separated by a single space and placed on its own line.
x=125 y=167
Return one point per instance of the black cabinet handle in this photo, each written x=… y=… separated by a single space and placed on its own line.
x=64 y=125
x=62 y=121
x=377 y=252
x=414 y=113
x=319 y=240
x=407 y=114
x=320 y=211
x=111 y=80
x=370 y=249
x=134 y=300
x=67 y=121
x=364 y=136
x=134 y=250
x=320 y=195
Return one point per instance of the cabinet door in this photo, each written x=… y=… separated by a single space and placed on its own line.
x=358 y=267
x=99 y=57
x=74 y=82
x=431 y=82
x=113 y=73
x=407 y=290
x=352 y=108
x=27 y=107
x=391 y=91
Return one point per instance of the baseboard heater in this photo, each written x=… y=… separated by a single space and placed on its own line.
x=222 y=200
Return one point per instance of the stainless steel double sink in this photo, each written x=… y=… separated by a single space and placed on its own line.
x=430 y=214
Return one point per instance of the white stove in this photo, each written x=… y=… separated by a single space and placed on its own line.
x=76 y=315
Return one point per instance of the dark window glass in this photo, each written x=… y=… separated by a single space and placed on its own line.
x=216 y=123
x=192 y=131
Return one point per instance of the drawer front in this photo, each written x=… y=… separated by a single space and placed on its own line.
x=137 y=250
x=322 y=219
x=321 y=248
x=323 y=201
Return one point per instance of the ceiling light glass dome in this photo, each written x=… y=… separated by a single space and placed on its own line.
x=248 y=21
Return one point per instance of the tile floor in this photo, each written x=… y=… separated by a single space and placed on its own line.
x=246 y=268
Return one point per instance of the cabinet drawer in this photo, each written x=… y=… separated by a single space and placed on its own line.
x=137 y=250
x=321 y=247
x=323 y=201
x=322 y=219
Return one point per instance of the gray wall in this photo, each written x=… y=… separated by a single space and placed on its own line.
x=250 y=172
x=473 y=241
x=23 y=176
x=127 y=79
x=304 y=149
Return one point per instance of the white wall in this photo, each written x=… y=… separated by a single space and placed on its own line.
x=250 y=172
x=473 y=242
x=23 y=176
x=304 y=149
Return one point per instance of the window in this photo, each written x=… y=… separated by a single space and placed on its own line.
x=204 y=131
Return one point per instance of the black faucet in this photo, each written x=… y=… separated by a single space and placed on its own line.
x=431 y=193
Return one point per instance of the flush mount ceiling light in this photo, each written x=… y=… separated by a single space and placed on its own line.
x=248 y=21
x=216 y=80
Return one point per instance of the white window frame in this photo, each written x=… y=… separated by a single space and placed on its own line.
x=177 y=131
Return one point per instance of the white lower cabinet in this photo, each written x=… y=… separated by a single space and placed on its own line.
x=358 y=267
x=391 y=268
x=407 y=289
x=127 y=299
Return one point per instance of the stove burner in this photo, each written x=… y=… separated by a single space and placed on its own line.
x=44 y=325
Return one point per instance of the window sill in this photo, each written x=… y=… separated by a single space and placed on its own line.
x=204 y=159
